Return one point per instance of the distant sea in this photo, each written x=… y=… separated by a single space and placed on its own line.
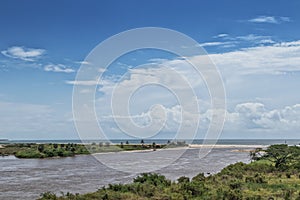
x=164 y=141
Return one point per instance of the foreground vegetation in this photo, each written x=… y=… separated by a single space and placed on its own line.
x=275 y=174
x=64 y=150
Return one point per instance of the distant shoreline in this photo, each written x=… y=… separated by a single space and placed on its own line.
x=264 y=142
x=52 y=152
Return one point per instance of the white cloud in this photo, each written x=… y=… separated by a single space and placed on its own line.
x=58 y=68
x=252 y=115
x=269 y=19
x=266 y=41
x=248 y=116
x=221 y=44
x=285 y=19
x=288 y=44
x=82 y=62
x=231 y=41
x=221 y=35
x=264 y=19
x=275 y=59
x=253 y=37
x=27 y=54
x=87 y=82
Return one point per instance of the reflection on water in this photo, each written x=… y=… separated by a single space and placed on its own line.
x=27 y=178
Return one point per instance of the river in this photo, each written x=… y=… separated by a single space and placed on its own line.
x=28 y=178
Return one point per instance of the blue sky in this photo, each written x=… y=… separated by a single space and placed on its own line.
x=255 y=44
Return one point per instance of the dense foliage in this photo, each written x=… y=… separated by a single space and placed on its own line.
x=33 y=150
x=43 y=150
x=261 y=179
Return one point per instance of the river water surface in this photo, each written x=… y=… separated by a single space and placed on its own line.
x=28 y=178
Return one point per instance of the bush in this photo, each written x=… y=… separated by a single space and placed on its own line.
x=199 y=177
x=153 y=179
x=29 y=154
x=183 y=179
x=48 y=196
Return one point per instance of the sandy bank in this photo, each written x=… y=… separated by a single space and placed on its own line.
x=224 y=146
x=236 y=148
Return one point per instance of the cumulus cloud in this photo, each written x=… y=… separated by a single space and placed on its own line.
x=23 y=53
x=269 y=19
x=253 y=115
x=58 y=68
x=248 y=116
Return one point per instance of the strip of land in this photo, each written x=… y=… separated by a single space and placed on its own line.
x=34 y=150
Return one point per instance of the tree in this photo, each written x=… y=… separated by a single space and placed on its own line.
x=280 y=154
x=154 y=146
x=142 y=142
x=256 y=154
x=55 y=146
x=73 y=150
x=41 y=148
x=100 y=144
x=107 y=144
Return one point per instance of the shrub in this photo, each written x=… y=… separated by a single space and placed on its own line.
x=199 y=177
x=183 y=179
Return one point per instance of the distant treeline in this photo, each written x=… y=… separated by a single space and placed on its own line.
x=33 y=150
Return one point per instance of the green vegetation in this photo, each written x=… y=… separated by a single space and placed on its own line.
x=275 y=174
x=282 y=156
x=43 y=150
x=64 y=150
